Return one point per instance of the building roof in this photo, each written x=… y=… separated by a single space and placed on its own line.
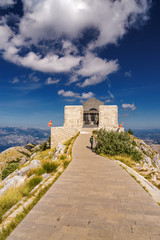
x=92 y=103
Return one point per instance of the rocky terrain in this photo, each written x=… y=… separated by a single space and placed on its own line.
x=17 y=155
x=149 y=166
x=26 y=174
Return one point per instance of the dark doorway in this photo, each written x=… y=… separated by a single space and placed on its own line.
x=91 y=118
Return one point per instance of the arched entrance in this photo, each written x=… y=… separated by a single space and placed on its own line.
x=91 y=118
x=91 y=112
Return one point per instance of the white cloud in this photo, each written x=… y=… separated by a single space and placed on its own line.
x=15 y=80
x=6 y=3
x=75 y=95
x=128 y=74
x=50 y=19
x=96 y=69
x=53 y=26
x=87 y=95
x=131 y=107
x=5 y=34
x=67 y=93
x=73 y=78
x=92 y=65
x=50 y=81
x=50 y=63
x=33 y=77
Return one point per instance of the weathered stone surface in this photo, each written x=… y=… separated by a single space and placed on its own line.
x=92 y=103
x=62 y=134
x=23 y=160
x=156 y=160
x=12 y=182
x=36 y=148
x=46 y=175
x=147 y=160
x=24 y=170
x=59 y=150
x=108 y=116
x=154 y=178
x=18 y=177
x=73 y=116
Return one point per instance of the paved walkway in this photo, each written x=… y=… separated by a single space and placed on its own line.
x=94 y=199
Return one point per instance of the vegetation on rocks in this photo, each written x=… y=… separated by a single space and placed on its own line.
x=130 y=150
x=113 y=143
x=41 y=168
x=10 y=168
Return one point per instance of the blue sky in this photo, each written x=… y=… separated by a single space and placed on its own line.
x=54 y=54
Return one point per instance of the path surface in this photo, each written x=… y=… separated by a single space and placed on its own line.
x=94 y=199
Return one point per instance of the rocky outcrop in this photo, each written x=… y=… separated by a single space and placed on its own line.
x=156 y=160
x=59 y=150
x=18 y=177
x=147 y=160
x=19 y=155
x=150 y=164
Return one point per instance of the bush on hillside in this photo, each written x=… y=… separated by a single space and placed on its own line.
x=130 y=131
x=10 y=168
x=49 y=167
x=43 y=146
x=113 y=143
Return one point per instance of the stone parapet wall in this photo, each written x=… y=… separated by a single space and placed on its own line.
x=108 y=116
x=62 y=134
x=73 y=116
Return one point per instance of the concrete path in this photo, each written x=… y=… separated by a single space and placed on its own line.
x=94 y=199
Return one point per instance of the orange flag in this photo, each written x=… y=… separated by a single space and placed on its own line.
x=121 y=125
x=50 y=124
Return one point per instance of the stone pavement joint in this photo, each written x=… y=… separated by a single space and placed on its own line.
x=94 y=199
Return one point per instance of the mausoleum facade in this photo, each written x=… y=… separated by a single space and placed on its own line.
x=92 y=114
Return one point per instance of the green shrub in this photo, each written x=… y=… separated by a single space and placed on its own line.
x=10 y=168
x=114 y=143
x=130 y=131
x=49 y=167
x=34 y=181
x=134 y=143
x=63 y=156
x=43 y=146
x=37 y=171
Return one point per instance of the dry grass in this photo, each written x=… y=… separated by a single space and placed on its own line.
x=14 y=195
x=125 y=159
x=9 y=199
x=46 y=155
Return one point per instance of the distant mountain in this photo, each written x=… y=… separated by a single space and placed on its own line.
x=149 y=136
x=14 y=136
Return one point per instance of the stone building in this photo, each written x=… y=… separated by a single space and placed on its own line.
x=92 y=114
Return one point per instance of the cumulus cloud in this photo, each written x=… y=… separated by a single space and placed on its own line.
x=75 y=95
x=126 y=106
x=6 y=3
x=96 y=69
x=50 y=81
x=49 y=36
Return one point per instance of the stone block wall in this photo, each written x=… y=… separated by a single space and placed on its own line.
x=73 y=116
x=62 y=134
x=108 y=116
